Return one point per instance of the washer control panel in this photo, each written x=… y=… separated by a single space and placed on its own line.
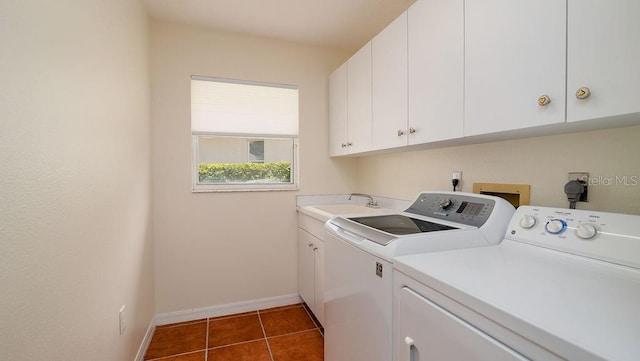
x=455 y=207
x=605 y=236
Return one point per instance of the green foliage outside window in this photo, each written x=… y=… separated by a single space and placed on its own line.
x=215 y=173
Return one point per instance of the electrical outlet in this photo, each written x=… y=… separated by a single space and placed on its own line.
x=582 y=177
x=123 y=325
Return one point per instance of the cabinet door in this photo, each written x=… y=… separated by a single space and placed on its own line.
x=389 y=78
x=436 y=70
x=515 y=52
x=338 y=111
x=603 y=54
x=318 y=310
x=306 y=267
x=359 y=101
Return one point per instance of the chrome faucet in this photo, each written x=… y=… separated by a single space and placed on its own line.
x=371 y=204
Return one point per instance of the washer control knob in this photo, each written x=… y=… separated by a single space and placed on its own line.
x=445 y=203
x=586 y=231
x=528 y=221
x=555 y=226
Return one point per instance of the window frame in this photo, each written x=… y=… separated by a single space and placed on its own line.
x=245 y=187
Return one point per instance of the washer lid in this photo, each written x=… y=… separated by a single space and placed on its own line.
x=400 y=225
x=576 y=307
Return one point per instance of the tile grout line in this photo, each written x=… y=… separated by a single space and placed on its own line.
x=174 y=355
x=265 y=336
x=295 y=333
x=206 y=342
x=234 y=344
x=312 y=319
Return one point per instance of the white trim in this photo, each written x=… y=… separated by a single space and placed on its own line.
x=227 y=309
x=146 y=340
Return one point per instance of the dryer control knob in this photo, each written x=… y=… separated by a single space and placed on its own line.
x=527 y=221
x=555 y=226
x=586 y=231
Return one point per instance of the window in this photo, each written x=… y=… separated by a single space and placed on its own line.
x=245 y=135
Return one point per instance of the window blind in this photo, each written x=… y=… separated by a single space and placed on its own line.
x=223 y=106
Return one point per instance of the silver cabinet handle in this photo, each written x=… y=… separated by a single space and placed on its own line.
x=344 y=145
x=412 y=130
x=583 y=93
x=400 y=133
x=349 y=144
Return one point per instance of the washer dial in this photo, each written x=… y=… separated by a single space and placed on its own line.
x=586 y=231
x=555 y=226
x=528 y=221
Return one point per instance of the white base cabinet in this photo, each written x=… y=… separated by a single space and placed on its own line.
x=311 y=265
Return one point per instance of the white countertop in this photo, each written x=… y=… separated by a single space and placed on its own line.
x=325 y=207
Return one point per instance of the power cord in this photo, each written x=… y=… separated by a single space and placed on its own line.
x=455 y=183
x=574 y=190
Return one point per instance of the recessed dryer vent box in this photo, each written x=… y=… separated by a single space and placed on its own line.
x=516 y=194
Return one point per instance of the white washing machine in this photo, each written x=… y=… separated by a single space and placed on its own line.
x=359 y=253
x=563 y=285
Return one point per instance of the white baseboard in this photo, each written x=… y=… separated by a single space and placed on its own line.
x=227 y=309
x=146 y=341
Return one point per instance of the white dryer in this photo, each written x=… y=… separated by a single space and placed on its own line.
x=563 y=285
x=359 y=253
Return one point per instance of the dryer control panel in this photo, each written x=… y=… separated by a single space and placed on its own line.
x=604 y=236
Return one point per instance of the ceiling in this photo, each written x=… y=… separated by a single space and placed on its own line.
x=342 y=24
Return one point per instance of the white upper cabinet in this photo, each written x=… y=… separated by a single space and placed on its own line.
x=436 y=70
x=338 y=111
x=389 y=75
x=603 y=56
x=452 y=69
x=350 y=105
x=515 y=64
x=359 y=101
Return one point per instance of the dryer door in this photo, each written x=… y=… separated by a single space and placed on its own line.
x=429 y=332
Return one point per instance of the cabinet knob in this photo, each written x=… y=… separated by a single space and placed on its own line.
x=412 y=130
x=544 y=100
x=349 y=144
x=310 y=245
x=400 y=133
x=583 y=93
x=344 y=145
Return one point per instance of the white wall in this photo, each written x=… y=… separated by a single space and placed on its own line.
x=75 y=204
x=542 y=162
x=219 y=248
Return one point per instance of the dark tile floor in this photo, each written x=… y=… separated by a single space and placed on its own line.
x=285 y=333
